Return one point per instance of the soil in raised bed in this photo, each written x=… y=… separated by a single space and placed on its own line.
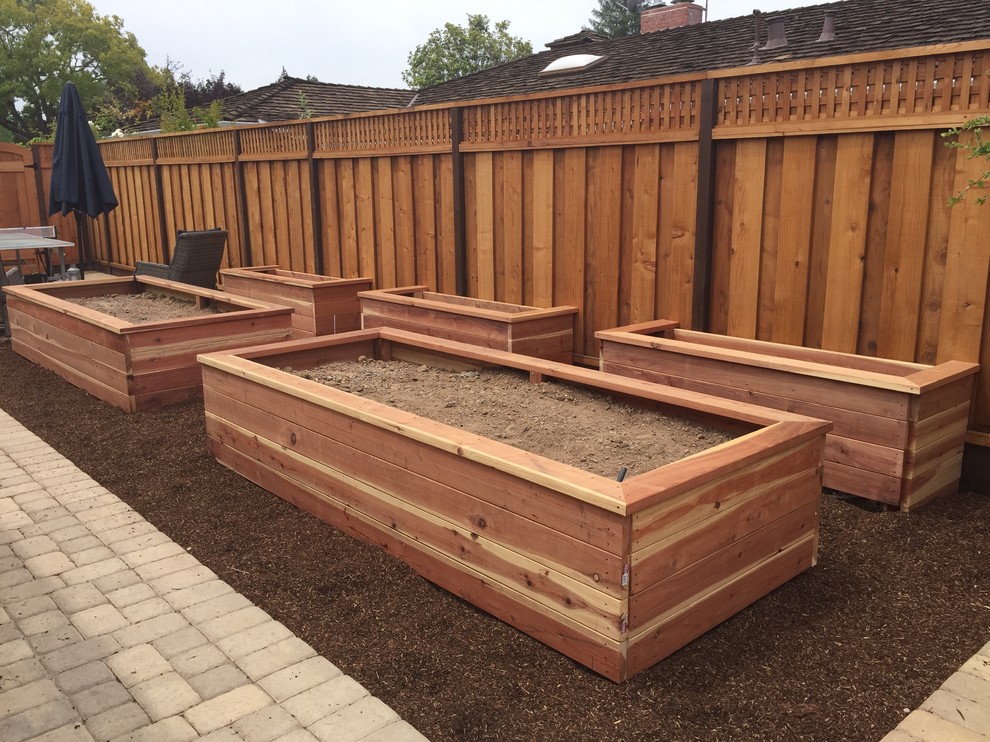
x=894 y=606
x=567 y=423
x=144 y=307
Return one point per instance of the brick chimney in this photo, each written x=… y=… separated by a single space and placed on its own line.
x=678 y=13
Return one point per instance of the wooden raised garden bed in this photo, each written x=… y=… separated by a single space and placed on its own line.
x=616 y=575
x=899 y=427
x=321 y=305
x=531 y=331
x=135 y=366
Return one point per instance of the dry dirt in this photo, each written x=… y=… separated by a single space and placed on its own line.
x=566 y=423
x=143 y=307
x=895 y=605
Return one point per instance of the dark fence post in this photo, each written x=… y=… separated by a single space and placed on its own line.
x=242 y=220
x=160 y=196
x=39 y=184
x=314 y=190
x=705 y=215
x=460 y=237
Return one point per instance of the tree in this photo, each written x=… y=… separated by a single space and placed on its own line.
x=175 y=110
x=455 y=51
x=976 y=147
x=46 y=43
x=204 y=92
x=615 y=18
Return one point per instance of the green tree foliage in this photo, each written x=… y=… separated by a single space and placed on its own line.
x=177 y=100
x=455 y=51
x=172 y=107
x=203 y=93
x=976 y=147
x=615 y=18
x=46 y=43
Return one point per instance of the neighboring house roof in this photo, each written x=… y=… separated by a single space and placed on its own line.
x=860 y=26
x=280 y=101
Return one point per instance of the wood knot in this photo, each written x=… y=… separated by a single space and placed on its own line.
x=292 y=438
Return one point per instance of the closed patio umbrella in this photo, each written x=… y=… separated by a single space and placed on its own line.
x=80 y=182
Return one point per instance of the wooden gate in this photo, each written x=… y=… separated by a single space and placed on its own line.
x=19 y=205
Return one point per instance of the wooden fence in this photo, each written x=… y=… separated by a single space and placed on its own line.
x=25 y=175
x=804 y=202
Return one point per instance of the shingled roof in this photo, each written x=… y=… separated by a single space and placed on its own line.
x=281 y=101
x=860 y=26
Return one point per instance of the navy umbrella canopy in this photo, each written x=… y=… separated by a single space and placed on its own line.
x=80 y=182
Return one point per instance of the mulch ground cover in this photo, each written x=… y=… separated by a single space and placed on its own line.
x=894 y=606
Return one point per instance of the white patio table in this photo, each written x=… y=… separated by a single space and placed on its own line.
x=17 y=240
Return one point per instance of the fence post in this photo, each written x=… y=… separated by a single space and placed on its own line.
x=39 y=185
x=242 y=220
x=705 y=212
x=314 y=191
x=460 y=238
x=160 y=200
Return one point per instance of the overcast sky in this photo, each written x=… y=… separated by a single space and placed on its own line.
x=357 y=42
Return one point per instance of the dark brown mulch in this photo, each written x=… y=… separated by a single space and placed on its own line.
x=894 y=606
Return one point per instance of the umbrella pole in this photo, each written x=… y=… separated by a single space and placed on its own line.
x=83 y=252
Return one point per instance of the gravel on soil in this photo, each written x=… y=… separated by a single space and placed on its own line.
x=895 y=605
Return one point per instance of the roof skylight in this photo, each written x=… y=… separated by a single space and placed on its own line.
x=571 y=63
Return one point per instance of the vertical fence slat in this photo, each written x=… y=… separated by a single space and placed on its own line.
x=844 y=277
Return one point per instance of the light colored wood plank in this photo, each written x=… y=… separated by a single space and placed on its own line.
x=405 y=236
x=511 y=228
x=794 y=244
x=682 y=237
x=569 y=247
x=332 y=263
x=384 y=212
x=484 y=225
x=542 y=256
x=847 y=244
x=966 y=272
x=645 y=213
x=603 y=224
x=425 y=220
x=722 y=236
x=936 y=247
x=747 y=234
x=365 y=209
x=446 y=270
x=905 y=249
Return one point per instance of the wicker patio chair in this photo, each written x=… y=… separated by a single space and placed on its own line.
x=195 y=259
